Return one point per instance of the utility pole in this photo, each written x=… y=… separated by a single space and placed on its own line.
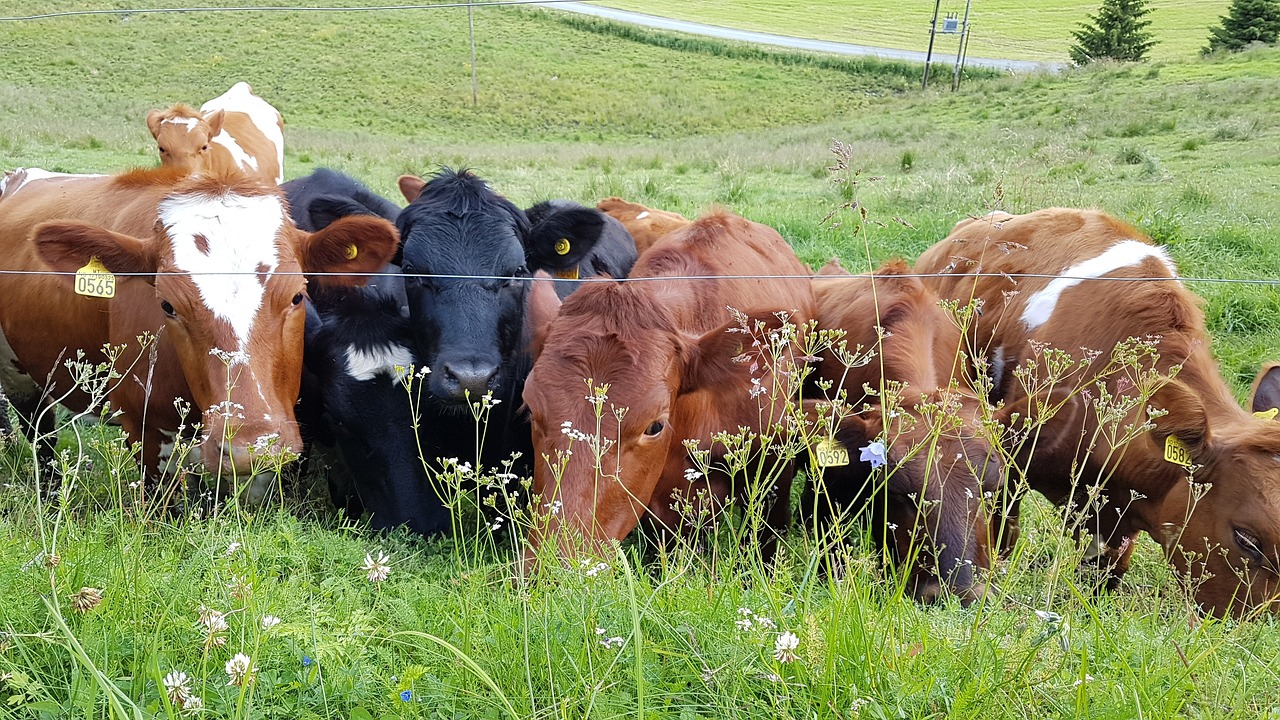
x=928 y=58
x=960 y=51
x=471 y=23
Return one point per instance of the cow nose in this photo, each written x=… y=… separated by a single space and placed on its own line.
x=466 y=376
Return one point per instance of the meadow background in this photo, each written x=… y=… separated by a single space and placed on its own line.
x=1184 y=148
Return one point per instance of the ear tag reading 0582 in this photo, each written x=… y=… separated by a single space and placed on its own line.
x=95 y=280
x=829 y=453
x=1177 y=452
x=1267 y=414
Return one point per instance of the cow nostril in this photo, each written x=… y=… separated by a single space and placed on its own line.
x=464 y=377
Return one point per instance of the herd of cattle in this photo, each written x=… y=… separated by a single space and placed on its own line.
x=289 y=314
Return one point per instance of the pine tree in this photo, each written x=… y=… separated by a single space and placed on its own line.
x=1117 y=32
x=1247 y=21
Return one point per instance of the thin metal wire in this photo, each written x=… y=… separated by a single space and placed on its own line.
x=276 y=8
x=529 y=278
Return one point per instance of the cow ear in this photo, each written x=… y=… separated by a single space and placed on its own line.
x=214 y=122
x=561 y=234
x=68 y=245
x=543 y=304
x=1039 y=423
x=709 y=360
x=1266 y=389
x=324 y=210
x=361 y=244
x=154 y=118
x=411 y=186
x=1186 y=418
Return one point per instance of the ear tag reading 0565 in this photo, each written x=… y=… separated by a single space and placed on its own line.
x=1177 y=452
x=95 y=280
x=1267 y=414
x=829 y=453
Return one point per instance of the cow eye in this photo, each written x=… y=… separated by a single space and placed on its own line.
x=1249 y=545
x=168 y=309
x=297 y=299
x=655 y=428
x=163 y=151
x=206 y=147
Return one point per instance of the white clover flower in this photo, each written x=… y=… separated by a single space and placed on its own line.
x=213 y=620
x=269 y=622
x=240 y=670
x=784 y=648
x=377 y=570
x=177 y=688
x=193 y=706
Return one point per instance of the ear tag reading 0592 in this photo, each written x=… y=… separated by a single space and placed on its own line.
x=1177 y=452
x=95 y=280
x=1267 y=414
x=829 y=453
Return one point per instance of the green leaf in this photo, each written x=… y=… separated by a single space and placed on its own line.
x=359 y=713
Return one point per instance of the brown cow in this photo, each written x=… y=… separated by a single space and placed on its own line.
x=219 y=283
x=938 y=453
x=665 y=350
x=646 y=225
x=236 y=130
x=1226 y=542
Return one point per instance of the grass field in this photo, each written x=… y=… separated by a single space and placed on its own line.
x=1014 y=29
x=1187 y=151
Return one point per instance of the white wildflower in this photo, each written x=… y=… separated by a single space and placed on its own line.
x=377 y=570
x=784 y=648
x=240 y=670
x=269 y=622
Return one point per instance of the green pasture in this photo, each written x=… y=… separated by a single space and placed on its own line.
x=1013 y=29
x=1188 y=151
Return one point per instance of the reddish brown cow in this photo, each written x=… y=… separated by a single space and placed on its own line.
x=236 y=130
x=646 y=225
x=938 y=453
x=218 y=262
x=1226 y=542
x=665 y=350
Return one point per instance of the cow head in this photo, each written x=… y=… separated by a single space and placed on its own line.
x=1221 y=527
x=183 y=135
x=227 y=267
x=600 y=449
x=468 y=325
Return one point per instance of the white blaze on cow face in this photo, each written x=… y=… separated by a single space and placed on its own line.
x=190 y=122
x=393 y=360
x=1124 y=254
x=240 y=98
x=225 y=242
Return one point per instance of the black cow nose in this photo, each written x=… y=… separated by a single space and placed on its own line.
x=463 y=376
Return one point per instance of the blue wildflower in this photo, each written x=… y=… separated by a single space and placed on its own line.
x=406 y=696
x=874 y=453
x=306 y=661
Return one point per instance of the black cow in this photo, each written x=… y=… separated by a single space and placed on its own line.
x=326 y=195
x=557 y=226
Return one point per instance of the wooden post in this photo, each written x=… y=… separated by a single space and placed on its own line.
x=928 y=58
x=964 y=39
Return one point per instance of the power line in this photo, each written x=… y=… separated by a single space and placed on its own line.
x=278 y=8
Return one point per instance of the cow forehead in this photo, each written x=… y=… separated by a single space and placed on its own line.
x=225 y=242
x=476 y=243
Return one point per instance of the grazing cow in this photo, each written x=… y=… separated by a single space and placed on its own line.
x=646 y=225
x=234 y=130
x=325 y=195
x=1218 y=520
x=664 y=353
x=938 y=454
x=209 y=265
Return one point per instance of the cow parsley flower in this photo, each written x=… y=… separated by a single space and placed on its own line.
x=240 y=670
x=377 y=570
x=609 y=642
x=784 y=648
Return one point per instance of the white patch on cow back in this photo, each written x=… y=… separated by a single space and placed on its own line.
x=241 y=237
x=643 y=215
x=15 y=180
x=393 y=360
x=240 y=98
x=189 y=122
x=1123 y=254
x=241 y=158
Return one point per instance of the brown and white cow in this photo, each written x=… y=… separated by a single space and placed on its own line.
x=210 y=264
x=1226 y=541
x=236 y=130
x=646 y=225
x=665 y=349
x=942 y=473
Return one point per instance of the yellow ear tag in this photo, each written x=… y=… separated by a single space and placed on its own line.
x=95 y=280
x=567 y=274
x=1267 y=414
x=1177 y=452
x=352 y=251
x=829 y=453
x=562 y=246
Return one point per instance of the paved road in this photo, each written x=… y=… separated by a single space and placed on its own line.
x=716 y=31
